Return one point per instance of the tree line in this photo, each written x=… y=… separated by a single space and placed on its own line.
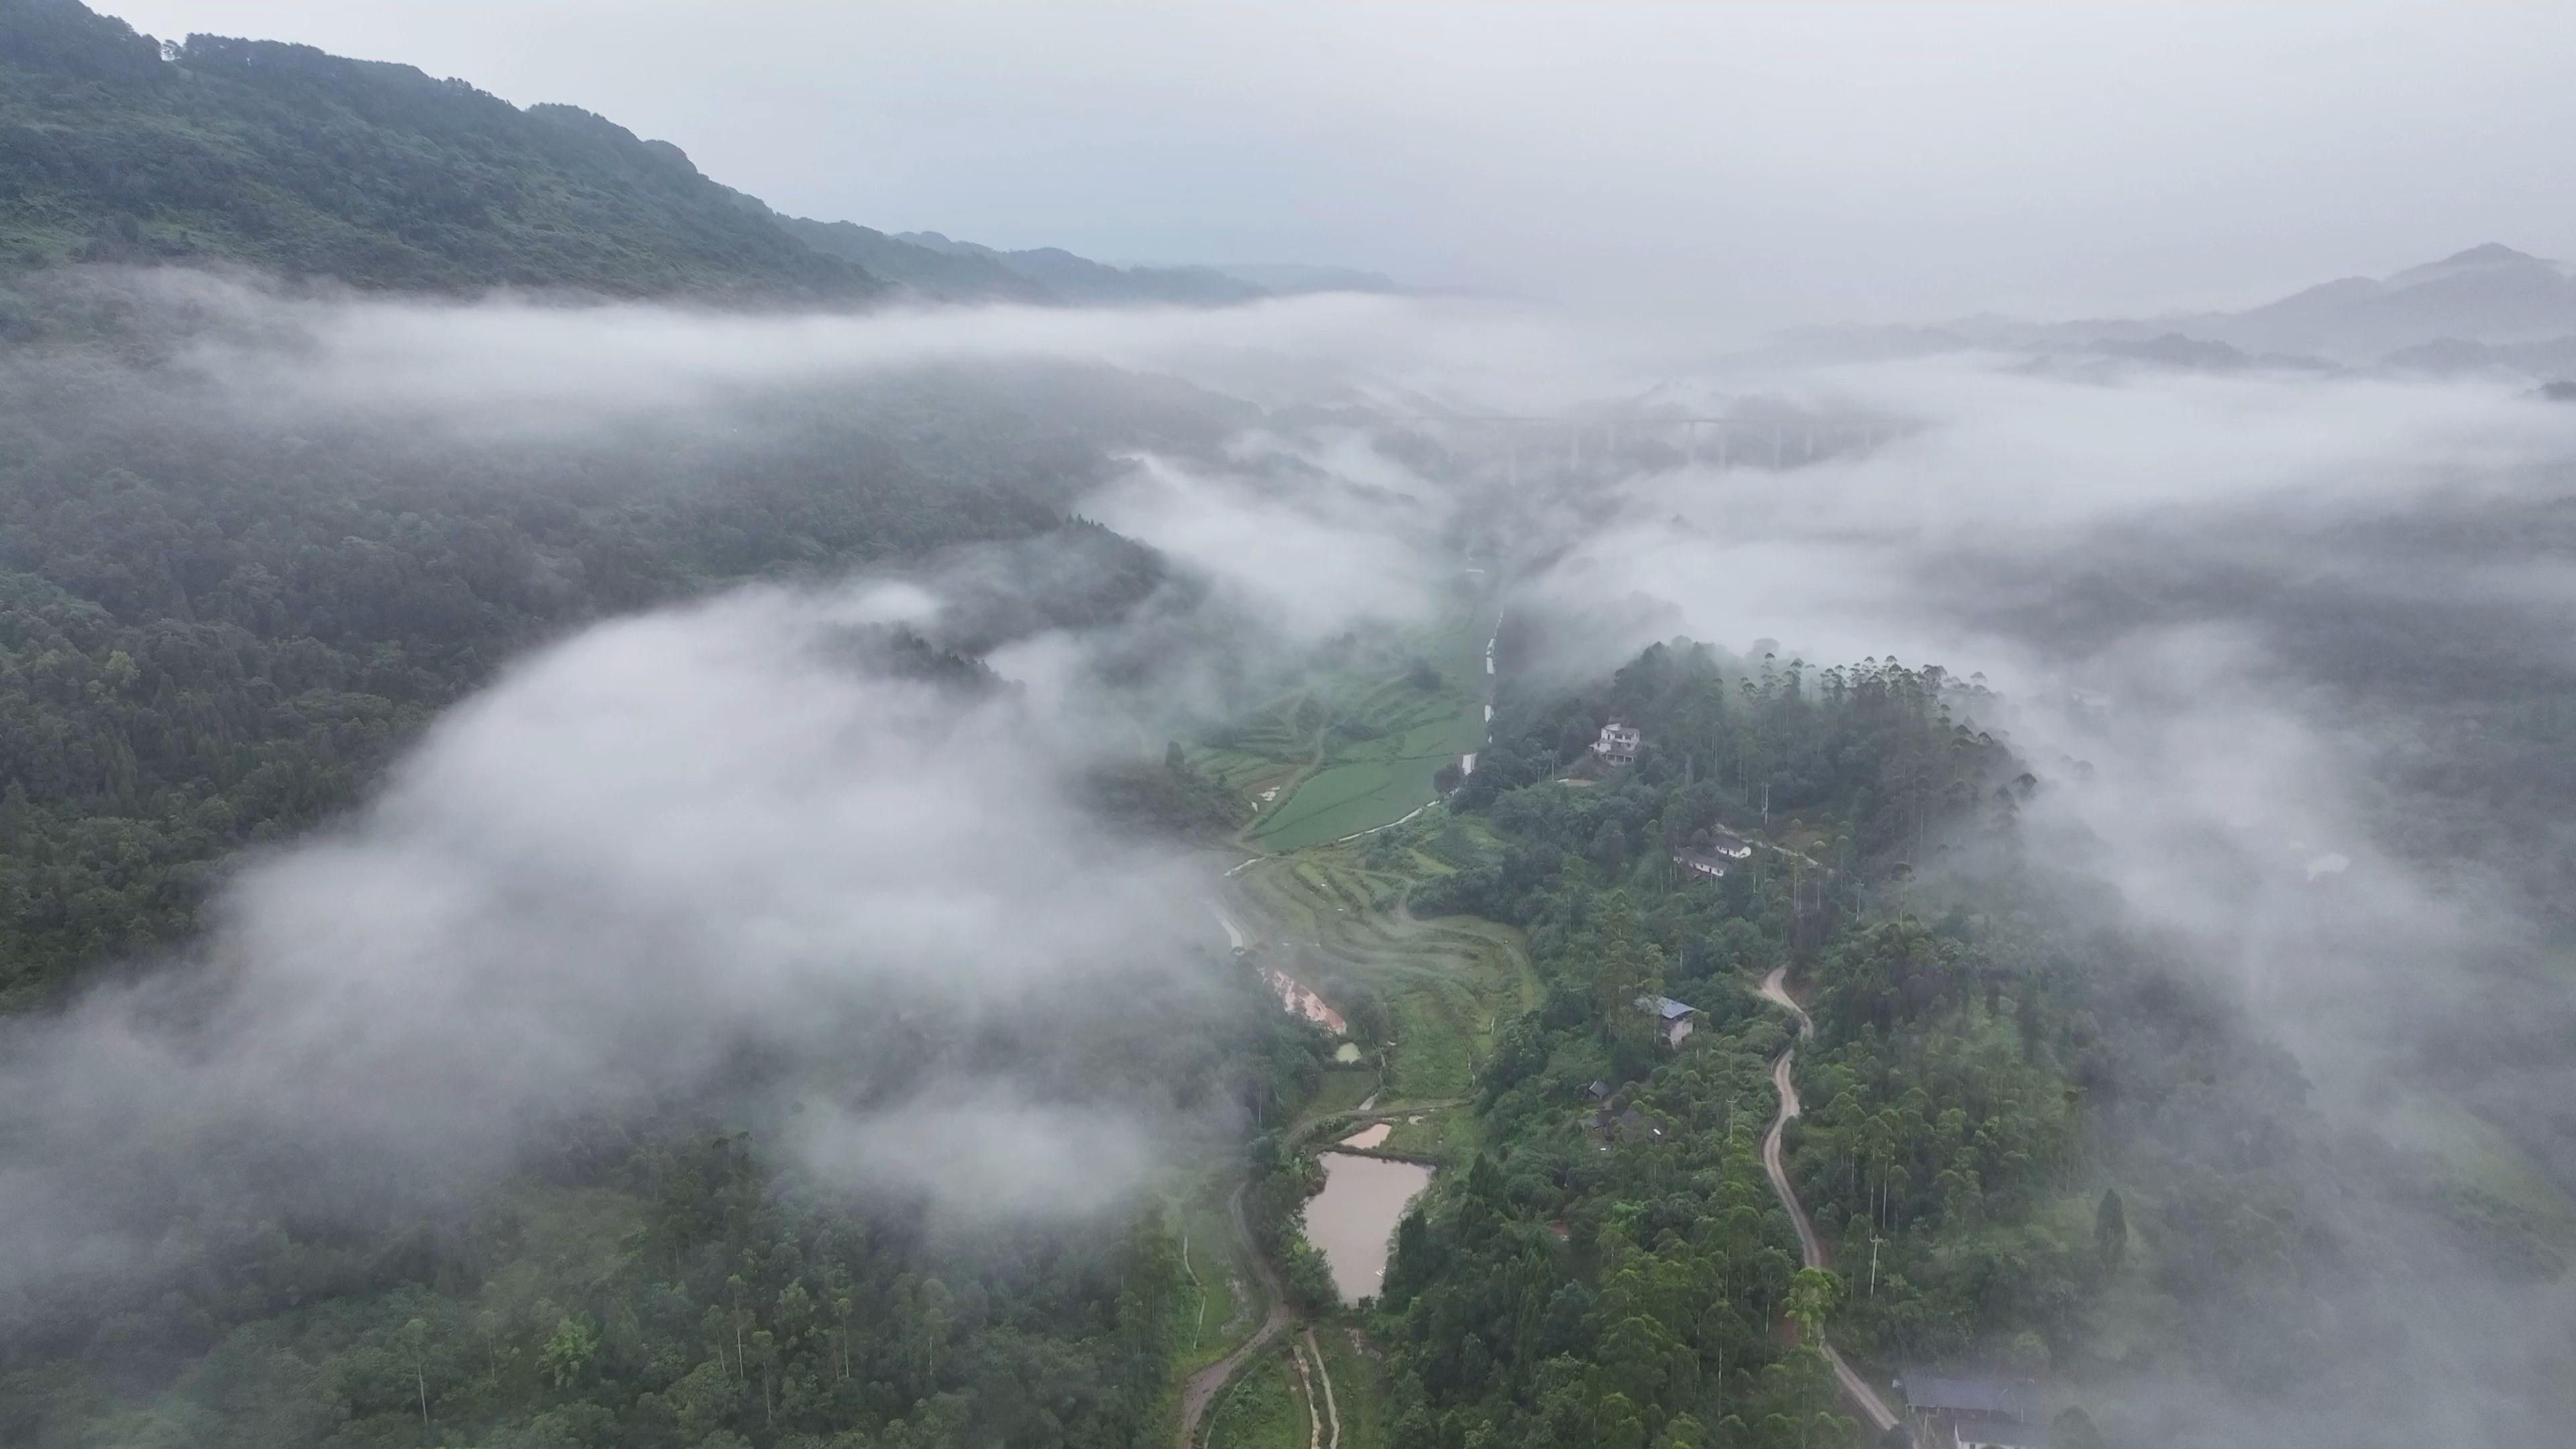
x=2036 y=1140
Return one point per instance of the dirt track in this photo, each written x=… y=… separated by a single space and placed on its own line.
x=1203 y=1386
x=1855 y=1388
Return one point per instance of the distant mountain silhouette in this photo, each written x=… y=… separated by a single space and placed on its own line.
x=2487 y=307
x=2491 y=294
x=1084 y=282
x=1287 y=279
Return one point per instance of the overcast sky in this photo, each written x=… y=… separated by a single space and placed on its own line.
x=1753 y=164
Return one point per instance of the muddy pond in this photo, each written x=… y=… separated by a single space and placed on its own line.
x=1352 y=1222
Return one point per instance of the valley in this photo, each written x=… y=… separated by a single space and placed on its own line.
x=1206 y=742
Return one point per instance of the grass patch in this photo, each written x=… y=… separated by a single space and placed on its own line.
x=2478 y=1156
x=1437 y=1026
x=1342 y=800
x=1446 y=1135
x=1227 y=1304
x=1343 y=1089
x=1448 y=983
x=1355 y=1388
x=1358 y=746
x=1265 y=1406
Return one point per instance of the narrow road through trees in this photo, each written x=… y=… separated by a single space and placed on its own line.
x=1201 y=1390
x=1855 y=1388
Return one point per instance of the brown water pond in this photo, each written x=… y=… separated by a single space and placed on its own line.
x=1352 y=1221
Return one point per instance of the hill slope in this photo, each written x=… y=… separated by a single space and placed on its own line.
x=1084 y=282
x=307 y=164
x=2487 y=294
x=950 y=276
x=2487 y=307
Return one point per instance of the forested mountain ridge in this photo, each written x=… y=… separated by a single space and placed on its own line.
x=215 y=629
x=948 y=275
x=291 y=161
x=1084 y=282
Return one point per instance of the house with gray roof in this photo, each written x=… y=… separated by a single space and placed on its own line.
x=1674 y=1018
x=1969 y=1413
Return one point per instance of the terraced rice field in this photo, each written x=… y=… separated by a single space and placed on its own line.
x=1449 y=983
x=1359 y=747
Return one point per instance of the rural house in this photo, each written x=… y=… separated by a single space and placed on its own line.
x=1618 y=743
x=1628 y=1125
x=1712 y=856
x=1948 y=1413
x=1702 y=862
x=1672 y=1016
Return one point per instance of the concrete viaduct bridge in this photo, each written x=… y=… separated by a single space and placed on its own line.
x=1776 y=437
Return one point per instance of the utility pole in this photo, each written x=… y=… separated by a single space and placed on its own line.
x=1874 y=1241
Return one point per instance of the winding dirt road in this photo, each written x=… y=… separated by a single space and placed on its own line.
x=1201 y=1390
x=1855 y=1388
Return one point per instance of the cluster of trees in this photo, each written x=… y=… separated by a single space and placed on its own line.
x=216 y=628
x=219 y=622
x=670 y=1283
x=1611 y=1269
x=1940 y=1122
x=1566 y=1295
x=2035 y=1141
x=1874 y=745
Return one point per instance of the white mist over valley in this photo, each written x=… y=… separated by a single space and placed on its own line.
x=631 y=818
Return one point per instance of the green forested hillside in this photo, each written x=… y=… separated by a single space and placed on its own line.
x=2037 y=1144
x=214 y=629
x=305 y=164
x=1084 y=282
x=674 y=1282
x=950 y=276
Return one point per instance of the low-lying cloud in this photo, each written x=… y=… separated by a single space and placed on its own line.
x=693 y=852
x=2276 y=646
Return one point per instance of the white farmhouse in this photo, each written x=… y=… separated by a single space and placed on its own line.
x=1618 y=743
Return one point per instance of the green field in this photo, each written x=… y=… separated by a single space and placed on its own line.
x=1265 y=1407
x=1352 y=751
x=1445 y=1134
x=1448 y=983
x=1226 y=1305
x=1344 y=1088
x=1355 y=1394
x=1357 y=747
x=1346 y=799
